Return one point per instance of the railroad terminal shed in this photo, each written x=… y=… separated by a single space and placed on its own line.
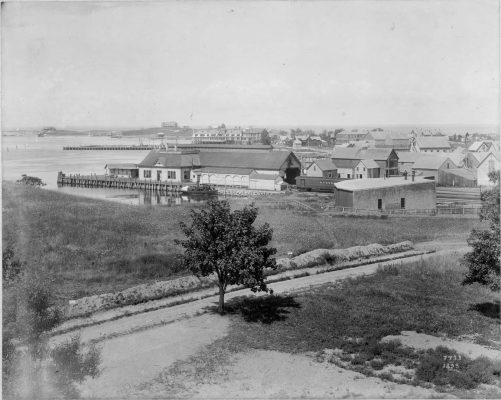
x=386 y=194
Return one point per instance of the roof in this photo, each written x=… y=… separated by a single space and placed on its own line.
x=170 y=159
x=343 y=163
x=325 y=164
x=224 y=146
x=266 y=177
x=388 y=135
x=496 y=156
x=475 y=146
x=227 y=170
x=376 y=154
x=121 y=166
x=370 y=163
x=408 y=156
x=352 y=185
x=270 y=160
x=433 y=142
x=432 y=162
x=462 y=172
x=477 y=158
x=346 y=153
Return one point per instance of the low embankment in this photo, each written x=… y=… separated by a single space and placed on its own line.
x=335 y=258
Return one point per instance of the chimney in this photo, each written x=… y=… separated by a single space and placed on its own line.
x=413 y=175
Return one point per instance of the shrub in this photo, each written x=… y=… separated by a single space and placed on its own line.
x=443 y=366
x=377 y=364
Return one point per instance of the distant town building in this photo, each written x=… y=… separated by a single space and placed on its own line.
x=350 y=136
x=227 y=135
x=324 y=168
x=430 y=144
x=388 y=140
x=413 y=193
x=481 y=146
x=429 y=167
x=170 y=124
x=123 y=170
x=483 y=164
x=347 y=159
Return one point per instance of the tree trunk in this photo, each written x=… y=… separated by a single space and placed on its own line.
x=220 y=308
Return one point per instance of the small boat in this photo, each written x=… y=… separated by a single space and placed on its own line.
x=198 y=189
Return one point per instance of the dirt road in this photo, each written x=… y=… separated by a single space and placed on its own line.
x=163 y=316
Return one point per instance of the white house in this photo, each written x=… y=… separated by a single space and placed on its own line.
x=489 y=163
x=367 y=169
x=323 y=168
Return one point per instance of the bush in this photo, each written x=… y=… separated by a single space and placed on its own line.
x=443 y=366
x=71 y=365
x=377 y=364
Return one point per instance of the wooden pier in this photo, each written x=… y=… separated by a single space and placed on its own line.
x=116 y=147
x=107 y=181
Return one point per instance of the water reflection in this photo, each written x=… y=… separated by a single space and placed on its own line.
x=137 y=197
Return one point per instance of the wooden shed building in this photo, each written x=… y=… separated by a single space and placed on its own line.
x=386 y=193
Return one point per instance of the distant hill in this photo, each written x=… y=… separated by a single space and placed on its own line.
x=154 y=131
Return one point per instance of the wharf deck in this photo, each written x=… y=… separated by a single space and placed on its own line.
x=107 y=181
x=115 y=147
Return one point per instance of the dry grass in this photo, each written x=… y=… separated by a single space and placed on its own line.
x=92 y=246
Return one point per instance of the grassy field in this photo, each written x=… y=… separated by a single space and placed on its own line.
x=94 y=246
x=354 y=315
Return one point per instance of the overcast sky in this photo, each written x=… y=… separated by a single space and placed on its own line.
x=260 y=63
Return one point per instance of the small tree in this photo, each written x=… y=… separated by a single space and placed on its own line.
x=265 y=137
x=483 y=261
x=228 y=245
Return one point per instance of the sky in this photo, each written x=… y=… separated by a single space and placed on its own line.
x=111 y=64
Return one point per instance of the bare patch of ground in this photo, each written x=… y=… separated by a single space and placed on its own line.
x=422 y=341
x=273 y=374
x=136 y=358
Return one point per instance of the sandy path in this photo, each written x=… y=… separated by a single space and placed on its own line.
x=139 y=357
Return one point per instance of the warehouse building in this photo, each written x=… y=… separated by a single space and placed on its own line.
x=413 y=193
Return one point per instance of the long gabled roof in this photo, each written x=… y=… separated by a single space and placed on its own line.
x=360 y=154
x=169 y=160
x=271 y=160
x=325 y=164
x=433 y=163
x=433 y=142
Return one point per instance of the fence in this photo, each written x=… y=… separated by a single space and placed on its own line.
x=466 y=211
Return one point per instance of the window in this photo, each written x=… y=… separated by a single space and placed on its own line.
x=357 y=168
x=379 y=204
x=171 y=174
x=349 y=176
x=364 y=169
x=147 y=173
x=159 y=175
x=186 y=174
x=314 y=168
x=402 y=202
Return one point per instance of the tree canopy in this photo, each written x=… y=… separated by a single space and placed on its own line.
x=483 y=261
x=226 y=244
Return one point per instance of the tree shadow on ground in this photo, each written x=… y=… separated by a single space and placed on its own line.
x=490 y=309
x=264 y=309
